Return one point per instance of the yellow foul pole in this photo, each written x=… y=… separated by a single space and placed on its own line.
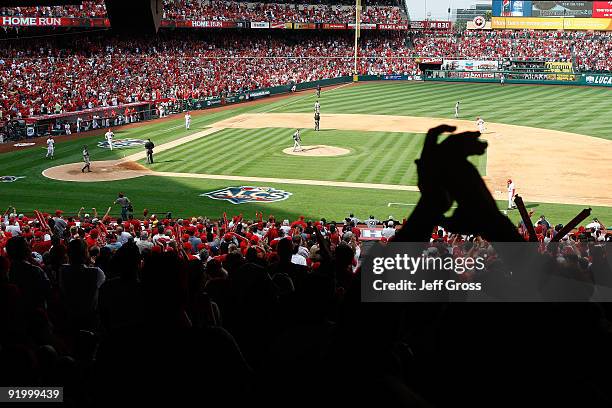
x=357 y=31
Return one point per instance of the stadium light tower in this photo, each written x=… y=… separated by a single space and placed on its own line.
x=357 y=31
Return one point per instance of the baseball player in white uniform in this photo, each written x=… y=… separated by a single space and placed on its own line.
x=481 y=124
x=457 y=109
x=78 y=124
x=109 y=138
x=67 y=129
x=297 y=141
x=86 y=160
x=50 y=147
x=511 y=193
x=317 y=107
x=187 y=120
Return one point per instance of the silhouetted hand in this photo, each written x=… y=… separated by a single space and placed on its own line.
x=446 y=175
x=444 y=162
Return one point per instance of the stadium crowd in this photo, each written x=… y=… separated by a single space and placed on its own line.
x=48 y=78
x=216 y=10
x=278 y=12
x=86 y=8
x=43 y=77
x=589 y=50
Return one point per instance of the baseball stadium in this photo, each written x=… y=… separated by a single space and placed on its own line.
x=215 y=172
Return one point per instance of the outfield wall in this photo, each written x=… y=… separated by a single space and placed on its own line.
x=511 y=77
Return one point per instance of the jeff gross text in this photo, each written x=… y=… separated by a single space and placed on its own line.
x=421 y=272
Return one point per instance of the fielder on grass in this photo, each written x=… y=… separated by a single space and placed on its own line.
x=50 y=147
x=109 y=138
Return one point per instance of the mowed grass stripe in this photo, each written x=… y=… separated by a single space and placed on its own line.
x=369 y=166
x=366 y=165
x=343 y=172
x=403 y=162
x=212 y=149
x=384 y=164
x=196 y=151
x=263 y=143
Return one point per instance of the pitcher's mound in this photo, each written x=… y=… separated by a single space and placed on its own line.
x=318 y=151
x=109 y=170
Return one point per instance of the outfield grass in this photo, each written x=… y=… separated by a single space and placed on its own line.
x=566 y=108
x=258 y=153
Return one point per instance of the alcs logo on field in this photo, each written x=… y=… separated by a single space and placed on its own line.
x=9 y=179
x=122 y=143
x=248 y=194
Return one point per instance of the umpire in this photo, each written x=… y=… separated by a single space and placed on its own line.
x=149 y=146
x=317 y=119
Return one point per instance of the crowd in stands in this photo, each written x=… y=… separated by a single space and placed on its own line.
x=41 y=77
x=56 y=76
x=93 y=299
x=278 y=12
x=215 y=10
x=591 y=51
x=86 y=8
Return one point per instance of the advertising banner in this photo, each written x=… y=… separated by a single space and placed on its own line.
x=393 y=26
x=595 y=24
x=260 y=24
x=465 y=74
x=598 y=80
x=565 y=67
x=304 y=26
x=431 y=25
x=31 y=21
x=511 y=8
x=394 y=77
x=11 y=21
x=439 y=25
x=519 y=23
x=213 y=102
x=602 y=9
x=543 y=23
x=437 y=61
x=197 y=24
x=469 y=65
x=258 y=94
x=284 y=26
x=334 y=26
x=562 y=9
x=363 y=26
